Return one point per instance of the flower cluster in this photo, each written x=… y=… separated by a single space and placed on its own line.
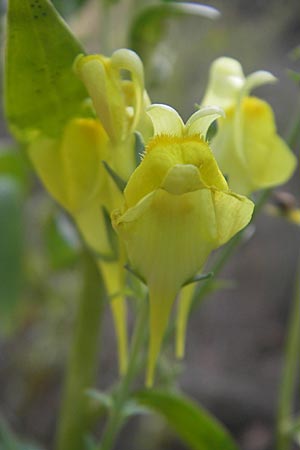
x=184 y=198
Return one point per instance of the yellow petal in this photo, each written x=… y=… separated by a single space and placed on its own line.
x=166 y=120
x=103 y=86
x=71 y=168
x=124 y=59
x=233 y=212
x=163 y=153
x=269 y=160
x=201 y=120
x=168 y=238
x=226 y=79
x=255 y=80
x=102 y=77
x=253 y=156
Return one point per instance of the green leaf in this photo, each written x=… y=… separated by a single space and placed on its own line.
x=212 y=131
x=119 y=182
x=11 y=245
x=41 y=90
x=99 y=397
x=139 y=147
x=149 y=26
x=194 y=425
x=196 y=279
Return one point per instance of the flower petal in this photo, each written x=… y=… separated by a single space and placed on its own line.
x=182 y=178
x=257 y=79
x=201 y=120
x=233 y=212
x=166 y=120
x=168 y=238
x=71 y=168
x=226 y=79
x=124 y=59
x=269 y=160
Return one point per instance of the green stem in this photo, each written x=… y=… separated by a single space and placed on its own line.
x=116 y=418
x=83 y=360
x=290 y=372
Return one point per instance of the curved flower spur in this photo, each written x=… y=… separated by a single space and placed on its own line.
x=177 y=209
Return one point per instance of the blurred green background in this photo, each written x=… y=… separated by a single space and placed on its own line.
x=235 y=340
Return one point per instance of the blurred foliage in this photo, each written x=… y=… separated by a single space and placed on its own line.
x=8 y=441
x=11 y=244
x=150 y=24
x=68 y=7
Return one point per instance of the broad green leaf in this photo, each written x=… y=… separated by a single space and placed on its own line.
x=11 y=243
x=149 y=25
x=193 y=424
x=41 y=90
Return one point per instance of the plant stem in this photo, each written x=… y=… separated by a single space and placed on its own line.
x=290 y=372
x=116 y=418
x=83 y=361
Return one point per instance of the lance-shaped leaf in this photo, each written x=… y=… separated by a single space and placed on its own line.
x=41 y=91
x=193 y=424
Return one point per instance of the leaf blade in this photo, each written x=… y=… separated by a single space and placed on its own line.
x=195 y=426
x=41 y=90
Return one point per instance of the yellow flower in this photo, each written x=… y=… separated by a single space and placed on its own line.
x=119 y=103
x=178 y=208
x=72 y=167
x=247 y=147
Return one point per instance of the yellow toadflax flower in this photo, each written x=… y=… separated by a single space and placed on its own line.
x=247 y=147
x=72 y=167
x=178 y=208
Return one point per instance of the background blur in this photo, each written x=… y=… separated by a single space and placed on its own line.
x=236 y=338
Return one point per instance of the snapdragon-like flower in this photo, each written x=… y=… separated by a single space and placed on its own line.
x=72 y=169
x=247 y=147
x=178 y=208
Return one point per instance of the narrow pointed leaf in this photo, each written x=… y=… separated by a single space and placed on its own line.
x=202 y=277
x=139 y=147
x=119 y=182
x=41 y=90
x=194 y=425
